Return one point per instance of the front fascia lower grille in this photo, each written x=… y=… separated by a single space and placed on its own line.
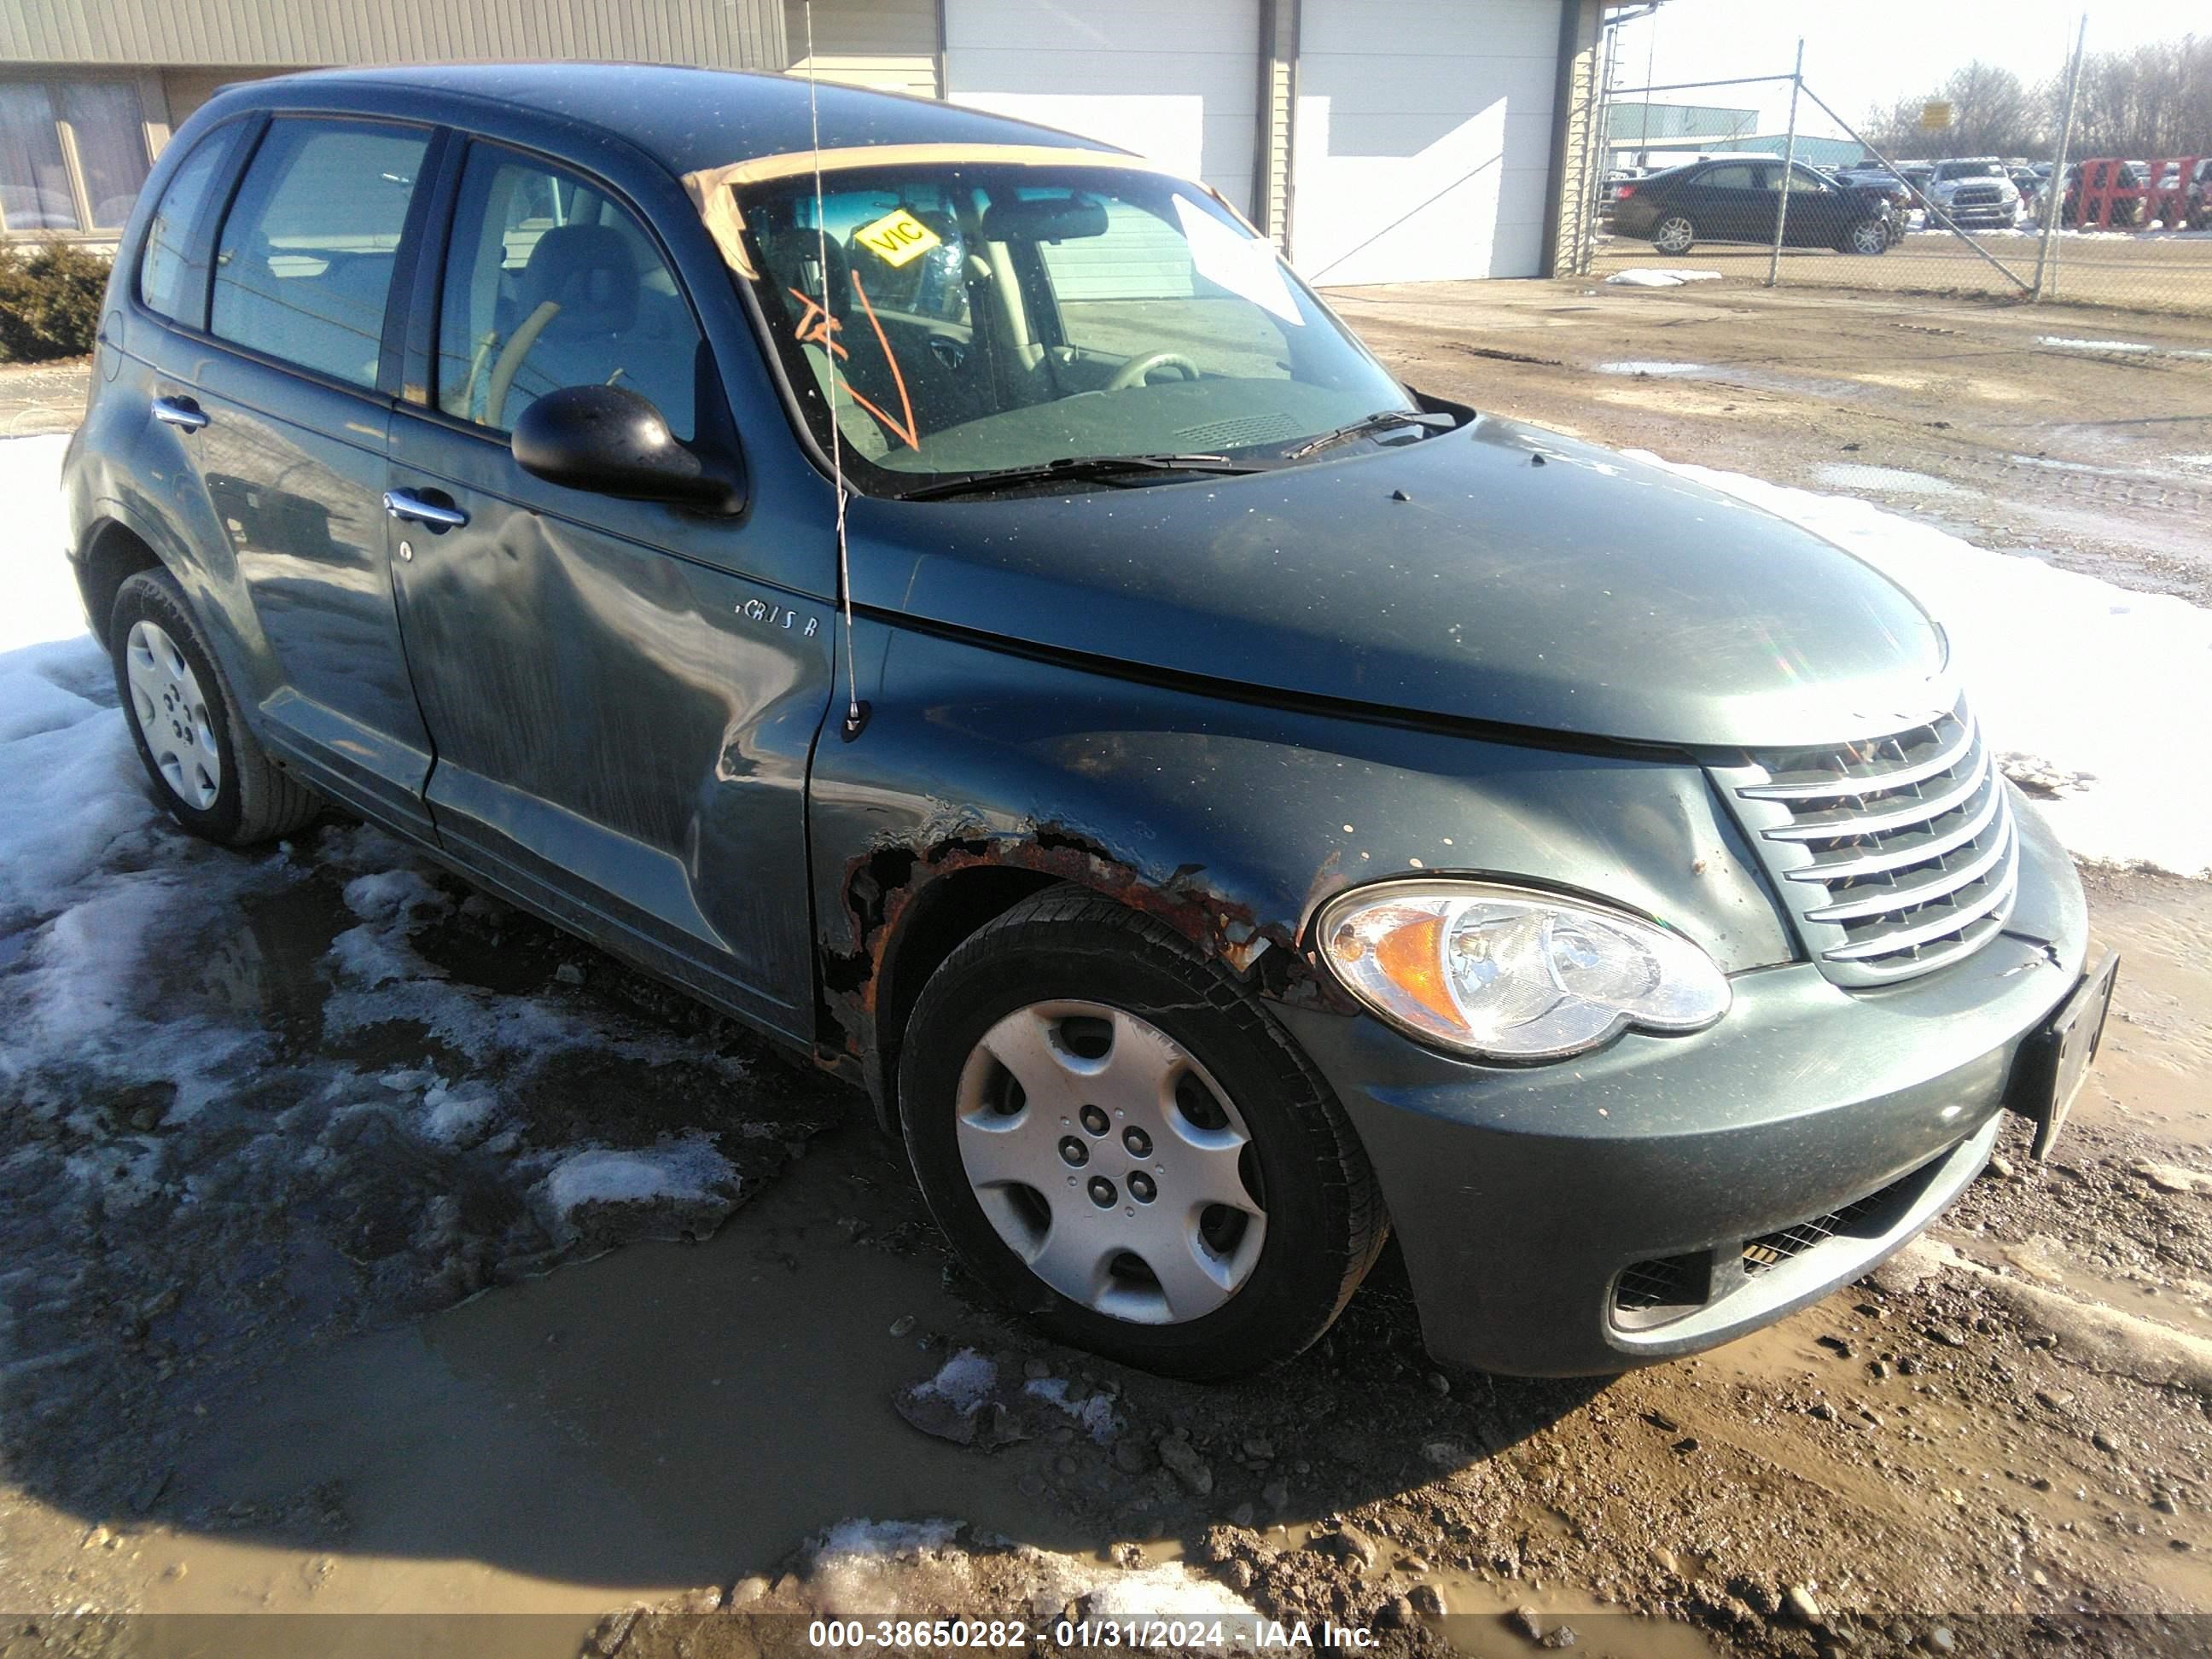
x=1895 y=856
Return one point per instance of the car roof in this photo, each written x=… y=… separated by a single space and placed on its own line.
x=688 y=118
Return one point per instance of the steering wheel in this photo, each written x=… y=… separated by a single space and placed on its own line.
x=1138 y=370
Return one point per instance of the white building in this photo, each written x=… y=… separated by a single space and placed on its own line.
x=1375 y=140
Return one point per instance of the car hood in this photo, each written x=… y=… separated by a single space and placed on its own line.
x=1496 y=574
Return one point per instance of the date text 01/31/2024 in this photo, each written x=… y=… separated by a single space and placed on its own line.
x=1253 y=1634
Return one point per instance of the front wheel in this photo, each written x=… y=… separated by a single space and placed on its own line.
x=1869 y=235
x=1122 y=1143
x=208 y=769
x=1674 y=233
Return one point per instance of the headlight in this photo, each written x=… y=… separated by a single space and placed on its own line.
x=1514 y=974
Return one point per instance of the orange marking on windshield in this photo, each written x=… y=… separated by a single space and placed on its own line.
x=816 y=325
x=906 y=404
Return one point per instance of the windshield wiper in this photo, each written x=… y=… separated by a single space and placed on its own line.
x=1102 y=469
x=1380 y=421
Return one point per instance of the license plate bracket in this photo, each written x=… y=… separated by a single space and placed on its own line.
x=2057 y=1058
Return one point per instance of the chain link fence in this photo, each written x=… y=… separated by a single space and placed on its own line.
x=2131 y=233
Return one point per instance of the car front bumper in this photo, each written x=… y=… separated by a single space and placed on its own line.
x=1664 y=1194
x=1983 y=215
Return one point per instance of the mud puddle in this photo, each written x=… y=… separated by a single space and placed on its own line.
x=2157 y=1049
x=665 y=1417
x=1884 y=480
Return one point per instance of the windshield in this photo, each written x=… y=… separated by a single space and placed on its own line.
x=994 y=316
x=1970 y=170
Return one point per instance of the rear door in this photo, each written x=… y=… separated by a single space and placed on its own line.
x=622 y=709
x=1732 y=202
x=289 y=386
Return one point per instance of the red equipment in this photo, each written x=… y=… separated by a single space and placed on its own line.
x=2108 y=198
x=2172 y=192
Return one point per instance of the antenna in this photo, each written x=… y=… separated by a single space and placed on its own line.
x=854 y=718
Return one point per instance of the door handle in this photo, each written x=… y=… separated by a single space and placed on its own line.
x=179 y=413
x=406 y=504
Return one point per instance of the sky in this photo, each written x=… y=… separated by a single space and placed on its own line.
x=1868 y=52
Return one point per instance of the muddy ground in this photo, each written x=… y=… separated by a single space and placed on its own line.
x=230 y=1389
x=2099 y=460
x=2156 y=272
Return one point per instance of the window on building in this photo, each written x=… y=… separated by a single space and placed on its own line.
x=304 y=261
x=72 y=155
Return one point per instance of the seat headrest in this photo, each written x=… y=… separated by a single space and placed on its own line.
x=792 y=256
x=590 y=271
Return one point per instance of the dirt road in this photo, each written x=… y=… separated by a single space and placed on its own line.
x=2010 y=1419
x=2075 y=435
x=2157 y=272
x=220 y=1396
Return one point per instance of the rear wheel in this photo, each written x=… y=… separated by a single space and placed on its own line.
x=1122 y=1143
x=1674 y=233
x=207 y=767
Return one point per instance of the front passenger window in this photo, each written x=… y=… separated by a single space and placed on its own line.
x=304 y=262
x=550 y=283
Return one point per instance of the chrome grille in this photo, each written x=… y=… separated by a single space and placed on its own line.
x=1895 y=856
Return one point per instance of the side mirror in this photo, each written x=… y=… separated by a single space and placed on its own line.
x=610 y=442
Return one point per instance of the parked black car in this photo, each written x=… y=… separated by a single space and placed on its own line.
x=1221 y=805
x=1738 y=201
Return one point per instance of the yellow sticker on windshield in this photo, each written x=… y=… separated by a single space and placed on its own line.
x=898 y=237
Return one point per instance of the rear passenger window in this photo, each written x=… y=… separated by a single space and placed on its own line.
x=549 y=283
x=304 y=263
x=169 y=281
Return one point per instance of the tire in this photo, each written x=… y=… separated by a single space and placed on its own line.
x=208 y=770
x=1674 y=233
x=1869 y=235
x=1109 y=1010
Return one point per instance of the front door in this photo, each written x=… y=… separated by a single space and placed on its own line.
x=623 y=715
x=292 y=452
x=1817 y=208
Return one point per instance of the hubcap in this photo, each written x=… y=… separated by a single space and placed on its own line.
x=1870 y=238
x=1674 y=235
x=172 y=713
x=1110 y=1162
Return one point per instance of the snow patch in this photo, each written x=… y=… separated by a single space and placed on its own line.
x=2070 y=676
x=457 y=1115
x=1659 y=277
x=2130 y=347
x=388 y=895
x=963 y=1381
x=1094 y=1415
x=879 y=1541
x=1171 y=1590
x=685 y=1174
x=1657 y=368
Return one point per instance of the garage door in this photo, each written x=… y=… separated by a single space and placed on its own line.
x=1422 y=140
x=1174 y=80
